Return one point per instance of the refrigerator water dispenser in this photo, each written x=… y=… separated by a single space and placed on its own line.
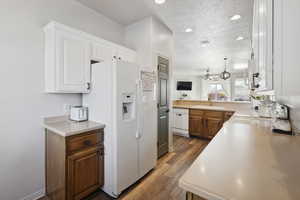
x=128 y=106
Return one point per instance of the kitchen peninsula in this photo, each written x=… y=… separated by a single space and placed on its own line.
x=204 y=119
x=245 y=161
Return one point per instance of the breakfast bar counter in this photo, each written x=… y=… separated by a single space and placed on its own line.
x=203 y=107
x=246 y=161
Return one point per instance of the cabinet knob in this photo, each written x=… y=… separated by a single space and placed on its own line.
x=120 y=58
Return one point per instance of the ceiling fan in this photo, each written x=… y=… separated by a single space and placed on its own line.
x=210 y=77
x=215 y=77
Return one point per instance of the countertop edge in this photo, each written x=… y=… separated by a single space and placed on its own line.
x=212 y=109
x=66 y=134
x=203 y=193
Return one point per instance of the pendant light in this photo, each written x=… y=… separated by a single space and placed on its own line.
x=225 y=75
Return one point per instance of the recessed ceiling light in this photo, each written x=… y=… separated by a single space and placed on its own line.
x=160 y=1
x=240 y=38
x=204 y=43
x=188 y=30
x=235 y=17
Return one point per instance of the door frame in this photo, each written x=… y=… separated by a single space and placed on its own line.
x=170 y=93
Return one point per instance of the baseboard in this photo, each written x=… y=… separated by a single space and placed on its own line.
x=35 y=196
x=181 y=133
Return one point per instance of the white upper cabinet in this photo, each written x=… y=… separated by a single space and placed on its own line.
x=73 y=63
x=68 y=57
x=67 y=61
x=286 y=48
x=125 y=54
x=262 y=44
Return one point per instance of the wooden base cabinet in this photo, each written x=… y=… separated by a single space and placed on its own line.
x=196 y=125
x=74 y=165
x=206 y=123
x=213 y=125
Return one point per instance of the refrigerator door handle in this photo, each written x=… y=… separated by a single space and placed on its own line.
x=137 y=135
x=138 y=112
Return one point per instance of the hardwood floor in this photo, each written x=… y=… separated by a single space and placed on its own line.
x=162 y=182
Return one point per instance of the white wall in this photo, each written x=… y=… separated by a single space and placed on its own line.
x=23 y=103
x=194 y=94
x=138 y=37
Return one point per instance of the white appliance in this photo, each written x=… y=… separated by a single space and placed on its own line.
x=79 y=113
x=181 y=122
x=116 y=99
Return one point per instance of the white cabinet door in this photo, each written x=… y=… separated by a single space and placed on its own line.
x=72 y=63
x=68 y=57
x=176 y=120
x=255 y=36
x=126 y=55
x=262 y=43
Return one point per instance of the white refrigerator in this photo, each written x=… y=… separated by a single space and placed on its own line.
x=130 y=136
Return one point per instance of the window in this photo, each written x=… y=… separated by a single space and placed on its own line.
x=216 y=92
x=241 y=90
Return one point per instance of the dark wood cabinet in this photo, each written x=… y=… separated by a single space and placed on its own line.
x=84 y=172
x=228 y=115
x=213 y=125
x=74 y=165
x=196 y=124
x=205 y=123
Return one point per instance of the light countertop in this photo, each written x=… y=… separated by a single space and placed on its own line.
x=203 y=107
x=214 y=101
x=65 y=127
x=246 y=161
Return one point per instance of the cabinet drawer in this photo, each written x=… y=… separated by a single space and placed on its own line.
x=196 y=112
x=216 y=114
x=84 y=140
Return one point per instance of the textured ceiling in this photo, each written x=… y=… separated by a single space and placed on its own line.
x=209 y=19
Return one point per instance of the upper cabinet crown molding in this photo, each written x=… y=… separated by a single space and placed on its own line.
x=68 y=56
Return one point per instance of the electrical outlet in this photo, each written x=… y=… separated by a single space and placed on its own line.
x=66 y=108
